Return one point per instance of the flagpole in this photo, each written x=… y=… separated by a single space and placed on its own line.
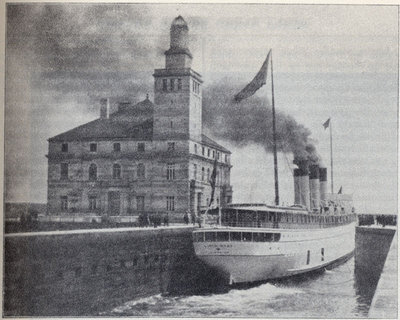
x=330 y=132
x=274 y=137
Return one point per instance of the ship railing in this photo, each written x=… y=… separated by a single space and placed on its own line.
x=305 y=224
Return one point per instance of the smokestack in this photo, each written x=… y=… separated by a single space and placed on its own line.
x=314 y=187
x=302 y=187
x=323 y=184
x=104 y=108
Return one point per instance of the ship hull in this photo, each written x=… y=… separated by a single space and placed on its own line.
x=297 y=251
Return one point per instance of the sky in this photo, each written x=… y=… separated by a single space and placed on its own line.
x=329 y=61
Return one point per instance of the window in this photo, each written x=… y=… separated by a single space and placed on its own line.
x=222 y=236
x=172 y=84
x=235 y=236
x=246 y=236
x=203 y=150
x=202 y=174
x=179 y=84
x=117 y=147
x=64 y=203
x=195 y=171
x=92 y=172
x=64 y=147
x=195 y=148
x=196 y=87
x=322 y=254
x=64 y=171
x=116 y=171
x=92 y=202
x=140 y=203
x=93 y=147
x=208 y=174
x=171 y=146
x=213 y=154
x=218 y=155
x=208 y=152
x=226 y=158
x=165 y=85
x=140 y=170
x=210 y=236
x=140 y=146
x=171 y=171
x=170 y=203
x=308 y=256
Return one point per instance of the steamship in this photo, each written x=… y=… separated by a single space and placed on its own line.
x=256 y=242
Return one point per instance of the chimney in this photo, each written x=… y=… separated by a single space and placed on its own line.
x=104 y=108
x=323 y=184
x=301 y=187
x=314 y=187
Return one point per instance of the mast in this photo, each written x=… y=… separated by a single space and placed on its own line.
x=330 y=133
x=274 y=137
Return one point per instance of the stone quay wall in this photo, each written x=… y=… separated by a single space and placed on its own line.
x=86 y=272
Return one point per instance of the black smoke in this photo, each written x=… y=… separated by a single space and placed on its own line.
x=250 y=122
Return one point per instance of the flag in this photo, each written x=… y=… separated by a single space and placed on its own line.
x=326 y=123
x=340 y=190
x=259 y=80
x=213 y=180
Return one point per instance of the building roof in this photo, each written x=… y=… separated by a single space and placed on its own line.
x=133 y=122
x=211 y=143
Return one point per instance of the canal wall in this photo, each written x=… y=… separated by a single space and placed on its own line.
x=372 y=247
x=85 y=272
x=385 y=302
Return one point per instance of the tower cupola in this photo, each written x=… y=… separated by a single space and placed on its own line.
x=178 y=55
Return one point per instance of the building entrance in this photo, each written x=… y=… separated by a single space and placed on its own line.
x=114 y=203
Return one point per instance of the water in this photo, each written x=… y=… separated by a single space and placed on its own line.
x=336 y=293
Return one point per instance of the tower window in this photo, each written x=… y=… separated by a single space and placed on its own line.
x=64 y=171
x=208 y=152
x=170 y=203
x=179 y=84
x=165 y=85
x=202 y=174
x=117 y=147
x=208 y=174
x=203 y=150
x=92 y=172
x=226 y=158
x=195 y=148
x=172 y=84
x=64 y=147
x=93 y=147
x=213 y=154
x=116 y=171
x=140 y=146
x=171 y=171
x=171 y=146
